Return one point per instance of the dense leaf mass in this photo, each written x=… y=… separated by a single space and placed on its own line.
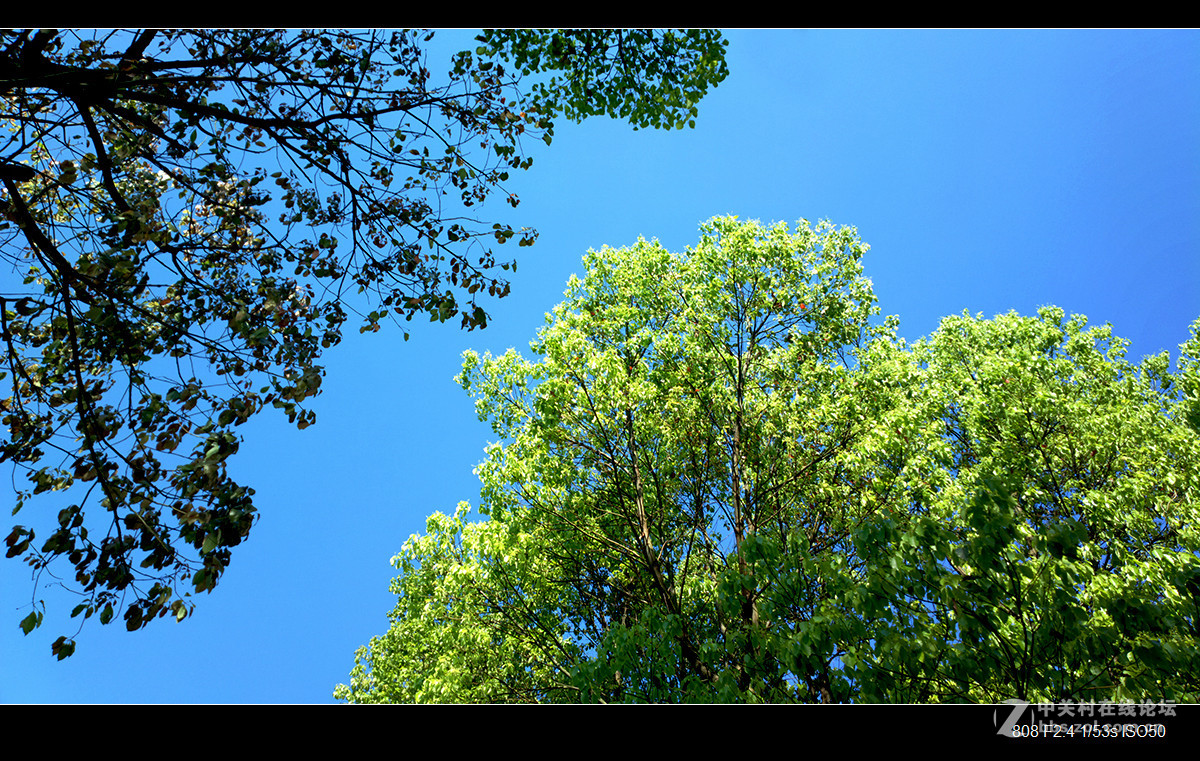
x=190 y=217
x=722 y=480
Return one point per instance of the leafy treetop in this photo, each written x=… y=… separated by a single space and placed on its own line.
x=191 y=216
x=721 y=481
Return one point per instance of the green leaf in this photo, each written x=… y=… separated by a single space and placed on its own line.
x=210 y=542
x=31 y=622
x=63 y=648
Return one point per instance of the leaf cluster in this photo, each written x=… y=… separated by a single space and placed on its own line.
x=723 y=480
x=191 y=217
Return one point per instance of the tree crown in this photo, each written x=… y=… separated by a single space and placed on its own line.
x=721 y=481
x=191 y=218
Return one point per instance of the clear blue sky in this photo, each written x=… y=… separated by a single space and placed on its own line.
x=989 y=170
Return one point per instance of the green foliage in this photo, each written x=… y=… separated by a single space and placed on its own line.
x=460 y=628
x=1049 y=551
x=649 y=79
x=193 y=215
x=721 y=481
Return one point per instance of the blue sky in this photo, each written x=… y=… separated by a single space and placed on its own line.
x=989 y=170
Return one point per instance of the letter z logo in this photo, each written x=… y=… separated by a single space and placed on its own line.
x=1018 y=708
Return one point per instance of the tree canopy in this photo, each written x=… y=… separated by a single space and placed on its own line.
x=190 y=217
x=722 y=479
